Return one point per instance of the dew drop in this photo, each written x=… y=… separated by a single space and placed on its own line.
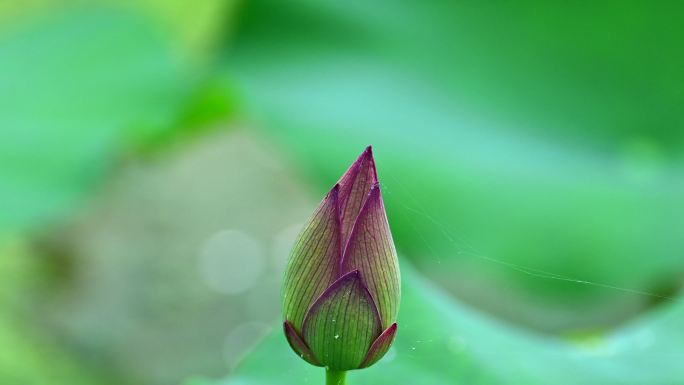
x=337 y=336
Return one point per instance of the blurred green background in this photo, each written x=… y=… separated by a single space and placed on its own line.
x=157 y=159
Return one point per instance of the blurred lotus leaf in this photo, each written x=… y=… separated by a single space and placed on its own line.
x=523 y=147
x=445 y=342
x=78 y=89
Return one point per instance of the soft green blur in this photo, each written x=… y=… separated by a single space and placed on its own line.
x=157 y=159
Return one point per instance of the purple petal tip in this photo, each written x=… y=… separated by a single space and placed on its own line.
x=298 y=345
x=380 y=346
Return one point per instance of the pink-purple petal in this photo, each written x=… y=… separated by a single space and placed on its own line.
x=380 y=346
x=298 y=345
x=355 y=184
x=314 y=262
x=341 y=284
x=370 y=249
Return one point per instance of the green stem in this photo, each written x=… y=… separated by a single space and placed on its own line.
x=333 y=377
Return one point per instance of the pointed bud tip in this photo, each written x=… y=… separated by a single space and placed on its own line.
x=334 y=191
x=368 y=152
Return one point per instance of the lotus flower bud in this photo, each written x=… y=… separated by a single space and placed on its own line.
x=341 y=288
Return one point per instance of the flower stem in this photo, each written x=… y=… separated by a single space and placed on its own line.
x=333 y=377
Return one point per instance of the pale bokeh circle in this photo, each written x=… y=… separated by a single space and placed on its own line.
x=231 y=261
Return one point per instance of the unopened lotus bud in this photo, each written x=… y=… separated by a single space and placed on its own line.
x=341 y=288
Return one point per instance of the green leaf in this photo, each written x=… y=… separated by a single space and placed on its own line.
x=79 y=86
x=543 y=137
x=195 y=27
x=441 y=341
x=29 y=354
